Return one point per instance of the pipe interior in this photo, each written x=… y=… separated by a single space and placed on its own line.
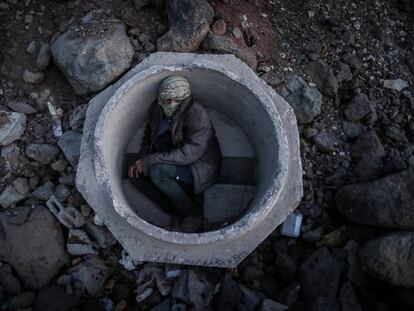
x=224 y=99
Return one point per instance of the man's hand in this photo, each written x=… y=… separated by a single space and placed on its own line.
x=136 y=169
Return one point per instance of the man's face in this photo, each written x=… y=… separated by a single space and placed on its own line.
x=170 y=106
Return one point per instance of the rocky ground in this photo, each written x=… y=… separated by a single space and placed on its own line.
x=347 y=69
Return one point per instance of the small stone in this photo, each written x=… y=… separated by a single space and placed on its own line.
x=21 y=185
x=44 y=191
x=344 y=73
x=28 y=19
x=395 y=134
x=100 y=235
x=33 y=77
x=44 y=56
x=10 y=196
x=352 y=129
x=219 y=27
x=70 y=143
x=31 y=48
x=21 y=107
x=4 y=6
x=324 y=141
x=352 y=61
x=321 y=73
x=43 y=153
x=306 y=101
x=60 y=165
x=313 y=235
x=349 y=37
x=396 y=84
x=359 y=107
x=237 y=33
x=149 y=47
x=78 y=243
x=12 y=126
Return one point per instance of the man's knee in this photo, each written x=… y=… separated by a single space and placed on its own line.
x=160 y=172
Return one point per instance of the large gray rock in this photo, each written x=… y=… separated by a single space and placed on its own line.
x=321 y=73
x=189 y=23
x=306 y=101
x=10 y=196
x=93 y=53
x=359 y=107
x=390 y=258
x=12 y=126
x=387 y=202
x=32 y=242
x=43 y=153
x=223 y=44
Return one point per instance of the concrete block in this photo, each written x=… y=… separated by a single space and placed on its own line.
x=219 y=82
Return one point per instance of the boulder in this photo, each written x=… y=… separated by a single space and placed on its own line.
x=12 y=126
x=223 y=44
x=387 y=202
x=93 y=53
x=189 y=23
x=305 y=101
x=390 y=258
x=321 y=73
x=36 y=250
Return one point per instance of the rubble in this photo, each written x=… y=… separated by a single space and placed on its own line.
x=78 y=243
x=70 y=143
x=43 y=153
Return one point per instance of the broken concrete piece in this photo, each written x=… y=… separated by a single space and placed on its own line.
x=257 y=109
x=68 y=216
x=12 y=126
x=291 y=226
x=70 y=143
x=36 y=250
x=10 y=196
x=100 y=235
x=78 y=243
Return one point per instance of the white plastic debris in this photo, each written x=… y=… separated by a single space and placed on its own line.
x=291 y=226
x=126 y=261
x=57 y=124
x=67 y=215
x=396 y=84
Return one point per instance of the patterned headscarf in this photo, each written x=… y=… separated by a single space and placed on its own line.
x=174 y=87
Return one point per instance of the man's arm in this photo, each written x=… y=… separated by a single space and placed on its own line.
x=196 y=137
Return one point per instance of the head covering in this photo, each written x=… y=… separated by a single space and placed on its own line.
x=174 y=87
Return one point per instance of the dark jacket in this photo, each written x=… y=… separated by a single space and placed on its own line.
x=194 y=139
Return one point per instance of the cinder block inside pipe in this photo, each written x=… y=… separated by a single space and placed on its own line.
x=252 y=122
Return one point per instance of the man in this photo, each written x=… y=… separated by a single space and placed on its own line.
x=179 y=146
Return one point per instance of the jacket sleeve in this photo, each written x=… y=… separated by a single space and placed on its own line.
x=197 y=132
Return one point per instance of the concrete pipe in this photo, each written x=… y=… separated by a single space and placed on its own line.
x=251 y=121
